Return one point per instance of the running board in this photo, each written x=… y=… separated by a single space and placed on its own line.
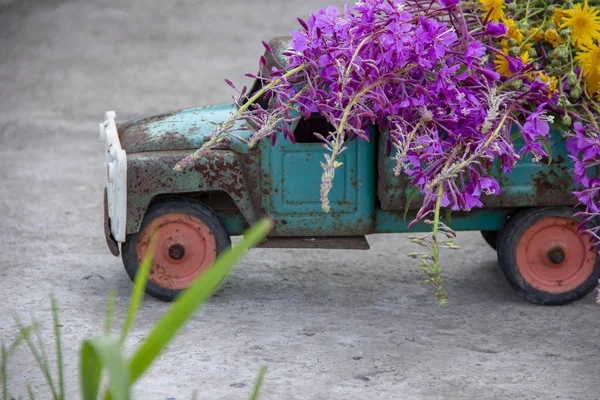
x=319 y=242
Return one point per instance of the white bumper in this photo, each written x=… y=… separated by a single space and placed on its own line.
x=115 y=163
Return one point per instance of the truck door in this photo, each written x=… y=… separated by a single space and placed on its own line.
x=292 y=176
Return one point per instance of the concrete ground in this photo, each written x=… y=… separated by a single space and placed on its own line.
x=329 y=324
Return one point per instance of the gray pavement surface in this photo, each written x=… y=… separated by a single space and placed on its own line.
x=329 y=324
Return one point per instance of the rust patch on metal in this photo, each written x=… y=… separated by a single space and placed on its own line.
x=151 y=175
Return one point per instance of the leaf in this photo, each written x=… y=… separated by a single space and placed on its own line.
x=413 y=192
x=97 y=354
x=59 y=357
x=6 y=352
x=548 y=149
x=186 y=304
x=3 y=372
x=259 y=382
x=30 y=392
x=38 y=355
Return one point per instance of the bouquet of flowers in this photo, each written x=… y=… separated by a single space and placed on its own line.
x=445 y=81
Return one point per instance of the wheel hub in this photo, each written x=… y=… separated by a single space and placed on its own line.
x=176 y=251
x=185 y=248
x=556 y=255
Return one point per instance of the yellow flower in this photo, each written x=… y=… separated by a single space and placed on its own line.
x=536 y=34
x=502 y=66
x=589 y=61
x=495 y=9
x=550 y=81
x=512 y=31
x=558 y=16
x=584 y=23
x=551 y=36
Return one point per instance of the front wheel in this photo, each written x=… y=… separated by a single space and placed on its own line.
x=545 y=259
x=189 y=238
x=491 y=238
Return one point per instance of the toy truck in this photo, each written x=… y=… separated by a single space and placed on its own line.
x=195 y=212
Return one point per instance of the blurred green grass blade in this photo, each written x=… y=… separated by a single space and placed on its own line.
x=97 y=354
x=4 y=373
x=139 y=285
x=110 y=311
x=29 y=392
x=191 y=299
x=38 y=355
x=259 y=382
x=59 y=357
x=6 y=352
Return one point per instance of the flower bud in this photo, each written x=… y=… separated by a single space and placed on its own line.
x=532 y=52
x=566 y=120
x=555 y=63
x=512 y=6
x=564 y=33
x=524 y=25
x=550 y=25
x=575 y=92
x=551 y=36
x=572 y=78
x=514 y=52
x=550 y=9
x=512 y=42
x=517 y=84
x=562 y=52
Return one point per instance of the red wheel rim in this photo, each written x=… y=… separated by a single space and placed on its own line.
x=184 y=248
x=553 y=257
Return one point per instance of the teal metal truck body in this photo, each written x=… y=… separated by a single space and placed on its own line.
x=282 y=180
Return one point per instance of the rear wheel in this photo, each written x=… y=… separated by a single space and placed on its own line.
x=189 y=237
x=544 y=257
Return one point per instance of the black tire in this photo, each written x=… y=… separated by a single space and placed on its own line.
x=530 y=286
x=160 y=208
x=491 y=238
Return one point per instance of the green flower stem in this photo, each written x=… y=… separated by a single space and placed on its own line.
x=435 y=269
x=332 y=164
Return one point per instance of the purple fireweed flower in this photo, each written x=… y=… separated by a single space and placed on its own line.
x=496 y=29
x=448 y=3
x=299 y=41
x=514 y=64
x=488 y=73
x=475 y=50
x=416 y=76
